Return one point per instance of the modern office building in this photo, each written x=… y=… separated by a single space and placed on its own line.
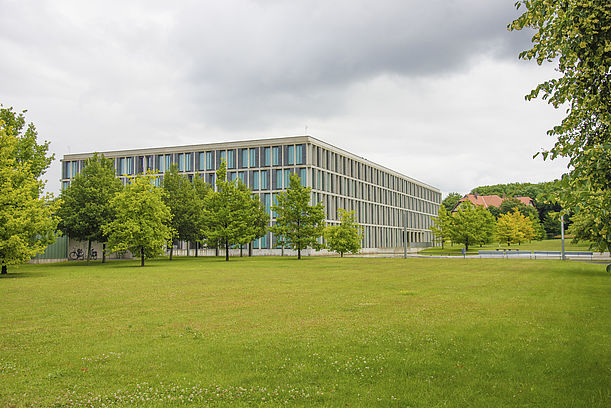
x=389 y=205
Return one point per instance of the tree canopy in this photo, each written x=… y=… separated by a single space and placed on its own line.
x=471 y=225
x=85 y=204
x=298 y=224
x=576 y=34
x=27 y=220
x=451 y=200
x=141 y=219
x=514 y=227
x=345 y=237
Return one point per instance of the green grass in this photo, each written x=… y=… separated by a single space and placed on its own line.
x=543 y=245
x=317 y=332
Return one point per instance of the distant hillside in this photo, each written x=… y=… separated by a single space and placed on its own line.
x=517 y=189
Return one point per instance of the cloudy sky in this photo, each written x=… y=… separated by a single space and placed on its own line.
x=433 y=89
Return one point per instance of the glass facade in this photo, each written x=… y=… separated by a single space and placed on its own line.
x=384 y=201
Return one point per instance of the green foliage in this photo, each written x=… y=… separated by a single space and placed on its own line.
x=27 y=150
x=531 y=190
x=442 y=225
x=471 y=225
x=141 y=219
x=345 y=237
x=577 y=34
x=27 y=221
x=185 y=201
x=514 y=228
x=298 y=224
x=85 y=205
x=232 y=216
x=592 y=220
x=451 y=200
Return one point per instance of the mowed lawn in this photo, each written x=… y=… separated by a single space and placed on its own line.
x=318 y=332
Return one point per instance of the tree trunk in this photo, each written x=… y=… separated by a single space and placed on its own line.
x=171 y=249
x=226 y=250
x=141 y=256
x=4 y=269
x=341 y=254
x=241 y=248
x=466 y=244
x=250 y=249
x=88 y=250
x=298 y=253
x=104 y=252
x=196 y=248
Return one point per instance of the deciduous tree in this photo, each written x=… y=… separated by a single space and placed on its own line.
x=298 y=224
x=141 y=219
x=442 y=225
x=27 y=221
x=345 y=237
x=514 y=227
x=450 y=201
x=472 y=225
x=85 y=205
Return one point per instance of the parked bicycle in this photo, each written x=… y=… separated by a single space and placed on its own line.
x=79 y=255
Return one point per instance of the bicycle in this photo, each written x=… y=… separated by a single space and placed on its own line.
x=79 y=255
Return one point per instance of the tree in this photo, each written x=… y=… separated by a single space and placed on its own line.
x=472 y=225
x=85 y=203
x=228 y=214
x=576 y=33
x=258 y=218
x=592 y=219
x=442 y=225
x=451 y=201
x=345 y=237
x=27 y=220
x=141 y=219
x=513 y=204
x=298 y=224
x=514 y=227
x=185 y=204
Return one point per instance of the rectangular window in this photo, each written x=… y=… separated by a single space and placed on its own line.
x=243 y=158
x=266 y=156
x=242 y=176
x=287 y=174
x=231 y=159
x=181 y=162
x=291 y=155
x=255 y=180
x=168 y=162
x=263 y=243
x=303 y=176
x=253 y=157
x=150 y=162
x=220 y=156
x=267 y=202
x=129 y=163
x=210 y=179
x=275 y=203
x=202 y=161
x=75 y=168
x=264 y=179
x=121 y=166
x=299 y=154
x=277 y=180
x=66 y=170
x=188 y=161
x=276 y=156
x=209 y=160
x=65 y=185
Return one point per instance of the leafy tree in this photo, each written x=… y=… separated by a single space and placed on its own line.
x=27 y=150
x=345 y=237
x=185 y=204
x=27 y=221
x=141 y=219
x=451 y=201
x=85 y=205
x=258 y=218
x=514 y=227
x=442 y=225
x=202 y=189
x=472 y=225
x=228 y=214
x=592 y=219
x=576 y=34
x=298 y=224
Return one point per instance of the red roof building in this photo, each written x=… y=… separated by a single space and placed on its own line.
x=492 y=200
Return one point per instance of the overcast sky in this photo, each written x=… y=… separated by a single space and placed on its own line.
x=432 y=89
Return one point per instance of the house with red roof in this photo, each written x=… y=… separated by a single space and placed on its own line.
x=491 y=200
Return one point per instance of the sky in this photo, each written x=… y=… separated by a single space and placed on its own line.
x=432 y=89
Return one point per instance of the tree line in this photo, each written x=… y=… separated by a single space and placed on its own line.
x=142 y=217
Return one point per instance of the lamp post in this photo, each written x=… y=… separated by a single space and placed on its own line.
x=562 y=235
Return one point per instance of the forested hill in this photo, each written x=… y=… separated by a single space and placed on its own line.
x=516 y=189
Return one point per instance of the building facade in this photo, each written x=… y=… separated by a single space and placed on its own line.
x=392 y=208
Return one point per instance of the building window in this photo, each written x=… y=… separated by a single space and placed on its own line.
x=299 y=154
x=264 y=179
x=181 y=162
x=276 y=156
x=287 y=174
x=303 y=176
x=255 y=180
x=168 y=162
x=291 y=155
x=188 y=161
x=243 y=158
x=74 y=168
x=267 y=202
x=231 y=159
x=209 y=160
x=121 y=166
x=266 y=156
x=253 y=157
x=202 y=161
x=242 y=176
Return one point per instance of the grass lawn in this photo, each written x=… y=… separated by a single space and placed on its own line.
x=543 y=245
x=317 y=332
